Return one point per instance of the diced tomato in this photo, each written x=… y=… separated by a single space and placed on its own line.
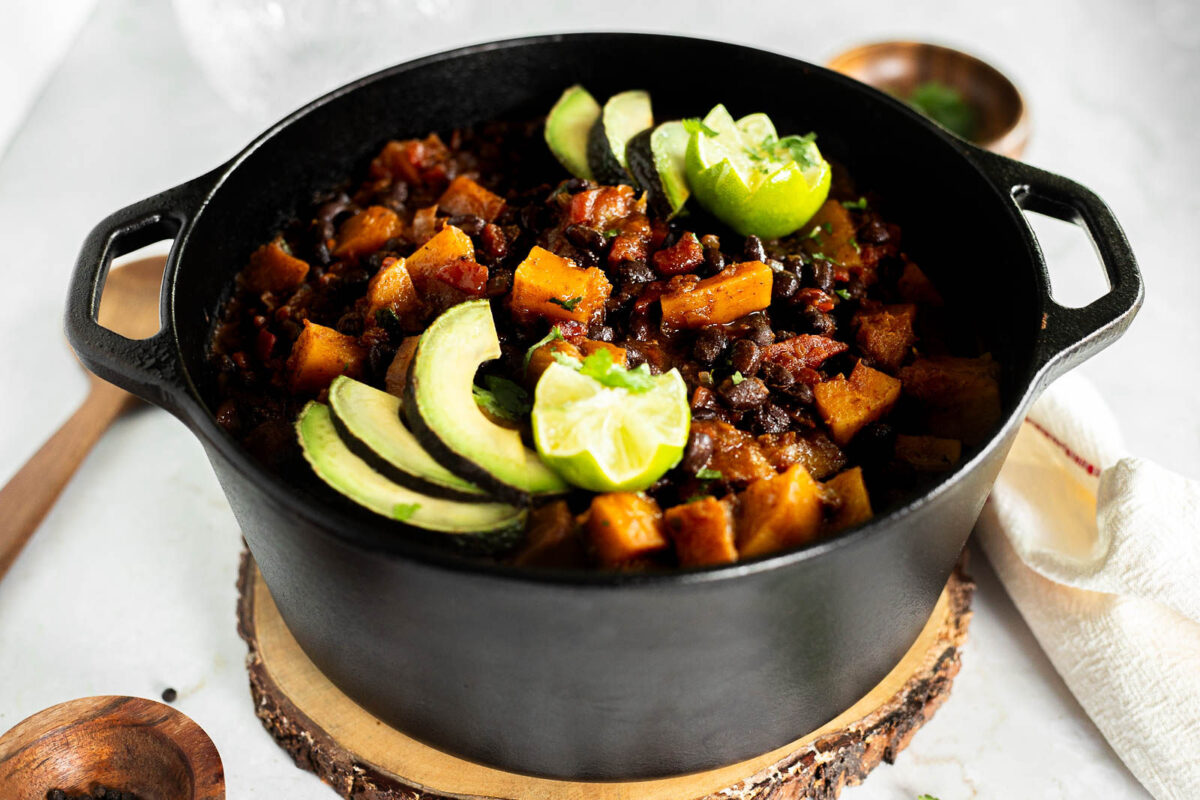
x=815 y=298
x=808 y=349
x=469 y=276
x=264 y=344
x=413 y=160
x=683 y=256
x=600 y=208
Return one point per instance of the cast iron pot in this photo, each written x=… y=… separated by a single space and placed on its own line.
x=608 y=676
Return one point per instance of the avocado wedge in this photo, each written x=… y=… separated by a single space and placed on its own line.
x=440 y=407
x=624 y=116
x=342 y=470
x=656 y=160
x=567 y=127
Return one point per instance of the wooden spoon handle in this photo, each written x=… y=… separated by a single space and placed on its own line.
x=27 y=498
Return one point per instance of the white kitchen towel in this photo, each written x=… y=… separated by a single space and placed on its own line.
x=1100 y=551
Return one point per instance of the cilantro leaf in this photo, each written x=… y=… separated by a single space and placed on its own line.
x=404 y=511
x=696 y=125
x=612 y=232
x=737 y=378
x=815 y=233
x=553 y=336
x=502 y=398
x=569 y=304
x=857 y=205
x=707 y=474
x=842 y=293
x=600 y=367
x=800 y=148
x=854 y=243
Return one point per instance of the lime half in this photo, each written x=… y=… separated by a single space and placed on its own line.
x=609 y=439
x=753 y=180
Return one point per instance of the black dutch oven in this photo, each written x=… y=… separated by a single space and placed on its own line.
x=596 y=675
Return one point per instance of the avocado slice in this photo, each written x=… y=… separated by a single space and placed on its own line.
x=656 y=159
x=567 y=127
x=369 y=422
x=624 y=116
x=440 y=407
x=336 y=465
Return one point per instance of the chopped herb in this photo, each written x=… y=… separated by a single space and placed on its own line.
x=815 y=233
x=800 y=148
x=403 y=511
x=695 y=125
x=737 y=378
x=386 y=318
x=707 y=474
x=569 y=304
x=696 y=497
x=600 y=367
x=824 y=257
x=827 y=227
x=553 y=336
x=611 y=232
x=946 y=106
x=821 y=256
x=502 y=398
x=842 y=293
x=854 y=243
x=857 y=205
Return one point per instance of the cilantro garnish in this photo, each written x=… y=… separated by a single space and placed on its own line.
x=857 y=205
x=737 y=378
x=854 y=243
x=798 y=147
x=553 y=336
x=696 y=125
x=600 y=367
x=569 y=304
x=502 y=398
x=842 y=293
x=815 y=233
x=707 y=474
x=403 y=511
x=611 y=232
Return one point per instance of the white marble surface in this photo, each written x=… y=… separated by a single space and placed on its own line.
x=129 y=586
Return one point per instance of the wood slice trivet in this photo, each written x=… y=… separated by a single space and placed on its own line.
x=364 y=759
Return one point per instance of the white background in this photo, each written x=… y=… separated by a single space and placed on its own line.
x=129 y=586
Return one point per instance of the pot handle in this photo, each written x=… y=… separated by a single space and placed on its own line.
x=149 y=368
x=1070 y=336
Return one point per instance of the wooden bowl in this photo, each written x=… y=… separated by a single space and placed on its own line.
x=126 y=743
x=900 y=67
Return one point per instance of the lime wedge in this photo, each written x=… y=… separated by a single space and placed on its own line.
x=753 y=180
x=609 y=439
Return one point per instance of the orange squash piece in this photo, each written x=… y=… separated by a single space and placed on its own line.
x=960 y=397
x=553 y=539
x=836 y=238
x=543 y=357
x=854 y=503
x=391 y=289
x=449 y=245
x=886 y=334
x=623 y=526
x=732 y=293
x=319 y=355
x=366 y=232
x=702 y=531
x=927 y=453
x=589 y=346
x=849 y=404
x=465 y=196
x=551 y=287
x=778 y=512
x=274 y=269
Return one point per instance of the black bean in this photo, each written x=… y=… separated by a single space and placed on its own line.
x=328 y=213
x=634 y=357
x=714 y=260
x=856 y=289
x=874 y=443
x=500 y=280
x=350 y=323
x=530 y=217
x=470 y=224
x=746 y=357
x=709 y=345
x=802 y=393
x=784 y=285
x=635 y=271
x=622 y=298
x=321 y=253
x=770 y=418
x=601 y=333
x=776 y=375
x=760 y=331
x=640 y=328
x=753 y=249
x=575 y=185
x=783 y=336
x=169 y=695
x=823 y=275
x=586 y=238
x=744 y=395
x=397 y=196
x=699 y=450
x=874 y=232
x=587 y=258
x=699 y=414
x=816 y=321
x=56 y=794
x=379 y=358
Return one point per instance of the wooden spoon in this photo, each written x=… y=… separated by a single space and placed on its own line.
x=129 y=307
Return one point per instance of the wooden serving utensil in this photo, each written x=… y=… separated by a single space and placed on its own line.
x=129 y=307
x=129 y=744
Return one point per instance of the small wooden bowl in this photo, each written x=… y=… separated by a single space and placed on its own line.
x=900 y=67
x=126 y=743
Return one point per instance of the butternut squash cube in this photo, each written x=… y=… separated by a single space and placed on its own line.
x=366 y=232
x=836 y=239
x=623 y=526
x=849 y=404
x=854 y=503
x=543 y=357
x=702 y=531
x=589 y=346
x=959 y=397
x=553 y=539
x=465 y=196
x=928 y=453
x=784 y=510
x=319 y=355
x=551 y=287
x=732 y=293
x=274 y=269
x=392 y=290
x=886 y=334
x=449 y=245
